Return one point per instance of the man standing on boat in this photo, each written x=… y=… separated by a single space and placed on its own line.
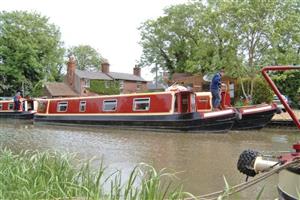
x=17 y=100
x=215 y=89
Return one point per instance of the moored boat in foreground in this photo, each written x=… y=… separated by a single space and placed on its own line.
x=8 y=110
x=286 y=165
x=250 y=117
x=171 y=110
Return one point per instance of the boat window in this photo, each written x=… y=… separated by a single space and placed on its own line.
x=62 y=106
x=10 y=106
x=82 y=106
x=176 y=104
x=109 y=105
x=1 y=106
x=184 y=103
x=193 y=102
x=141 y=104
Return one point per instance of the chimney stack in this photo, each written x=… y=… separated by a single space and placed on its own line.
x=71 y=66
x=137 y=71
x=105 y=66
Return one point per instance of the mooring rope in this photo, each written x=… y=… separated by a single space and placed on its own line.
x=242 y=186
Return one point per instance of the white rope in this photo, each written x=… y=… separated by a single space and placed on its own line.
x=242 y=186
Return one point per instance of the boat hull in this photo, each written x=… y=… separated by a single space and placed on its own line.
x=254 y=120
x=17 y=115
x=288 y=184
x=174 y=122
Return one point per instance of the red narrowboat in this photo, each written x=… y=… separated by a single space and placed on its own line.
x=170 y=110
x=25 y=111
x=250 y=117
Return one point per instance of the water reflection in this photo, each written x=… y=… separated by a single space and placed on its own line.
x=202 y=159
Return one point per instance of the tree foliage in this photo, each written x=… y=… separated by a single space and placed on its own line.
x=105 y=87
x=30 y=51
x=262 y=92
x=289 y=84
x=241 y=36
x=87 y=57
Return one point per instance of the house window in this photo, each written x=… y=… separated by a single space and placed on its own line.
x=141 y=104
x=1 y=106
x=106 y=84
x=10 y=106
x=86 y=83
x=62 y=106
x=109 y=105
x=138 y=86
x=82 y=106
x=121 y=85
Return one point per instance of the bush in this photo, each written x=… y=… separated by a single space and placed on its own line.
x=105 y=87
x=262 y=92
x=289 y=84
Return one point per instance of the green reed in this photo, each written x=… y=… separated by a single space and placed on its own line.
x=51 y=175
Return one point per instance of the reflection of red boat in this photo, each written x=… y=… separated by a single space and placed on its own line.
x=172 y=110
x=7 y=110
x=251 y=117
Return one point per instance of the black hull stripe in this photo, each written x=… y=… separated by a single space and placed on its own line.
x=187 y=122
x=17 y=115
x=254 y=121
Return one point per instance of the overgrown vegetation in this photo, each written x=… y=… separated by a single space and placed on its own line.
x=105 y=87
x=261 y=94
x=35 y=175
x=289 y=84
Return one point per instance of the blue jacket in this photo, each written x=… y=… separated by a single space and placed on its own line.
x=216 y=82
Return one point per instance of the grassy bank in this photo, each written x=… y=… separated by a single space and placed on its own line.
x=50 y=175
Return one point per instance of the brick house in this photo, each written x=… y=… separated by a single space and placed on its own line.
x=85 y=83
x=198 y=84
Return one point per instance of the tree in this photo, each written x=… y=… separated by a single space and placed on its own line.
x=289 y=84
x=241 y=36
x=30 y=51
x=189 y=38
x=87 y=57
x=261 y=28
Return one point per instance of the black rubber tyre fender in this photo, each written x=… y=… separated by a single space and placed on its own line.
x=246 y=162
x=279 y=110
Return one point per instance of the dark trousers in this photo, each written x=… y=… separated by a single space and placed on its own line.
x=17 y=105
x=216 y=98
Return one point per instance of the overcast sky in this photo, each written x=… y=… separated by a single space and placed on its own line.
x=109 y=26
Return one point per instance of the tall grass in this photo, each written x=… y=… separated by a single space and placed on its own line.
x=50 y=175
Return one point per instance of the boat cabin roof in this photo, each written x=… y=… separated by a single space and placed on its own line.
x=122 y=95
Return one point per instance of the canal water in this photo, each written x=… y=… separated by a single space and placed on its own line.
x=202 y=160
